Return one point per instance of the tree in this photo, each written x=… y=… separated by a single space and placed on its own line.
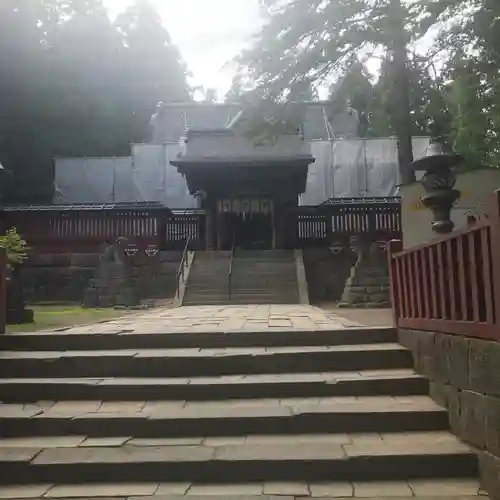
x=312 y=39
x=74 y=84
x=153 y=64
x=15 y=247
x=472 y=45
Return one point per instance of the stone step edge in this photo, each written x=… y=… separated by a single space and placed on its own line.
x=354 y=438
x=20 y=390
x=150 y=364
x=362 y=467
x=203 y=353
x=60 y=340
x=246 y=497
x=156 y=424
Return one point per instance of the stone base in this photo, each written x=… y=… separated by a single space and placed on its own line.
x=465 y=379
x=368 y=284
x=20 y=316
x=326 y=273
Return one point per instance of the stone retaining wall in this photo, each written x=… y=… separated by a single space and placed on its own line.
x=345 y=278
x=64 y=277
x=57 y=277
x=465 y=378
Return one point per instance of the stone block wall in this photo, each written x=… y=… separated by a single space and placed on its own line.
x=65 y=277
x=465 y=378
x=57 y=277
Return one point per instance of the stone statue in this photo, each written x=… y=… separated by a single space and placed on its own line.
x=113 y=283
x=115 y=253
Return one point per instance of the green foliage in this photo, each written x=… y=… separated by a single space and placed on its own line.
x=16 y=248
x=75 y=84
x=312 y=41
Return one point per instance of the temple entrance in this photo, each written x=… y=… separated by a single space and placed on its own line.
x=248 y=223
x=252 y=231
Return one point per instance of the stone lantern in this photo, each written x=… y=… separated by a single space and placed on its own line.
x=438 y=164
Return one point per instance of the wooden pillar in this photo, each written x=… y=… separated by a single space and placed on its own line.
x=210 y=225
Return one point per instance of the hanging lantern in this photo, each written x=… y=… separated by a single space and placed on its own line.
x=336 y=248
x=131 y=250
x=151 y=251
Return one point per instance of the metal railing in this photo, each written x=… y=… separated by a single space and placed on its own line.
x=230 y=272
x=182 y=266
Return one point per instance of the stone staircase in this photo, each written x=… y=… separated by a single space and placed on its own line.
x=208 y=281
x=259 y=277
x=270 y=414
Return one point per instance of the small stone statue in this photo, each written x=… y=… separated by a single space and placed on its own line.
x=115 y=253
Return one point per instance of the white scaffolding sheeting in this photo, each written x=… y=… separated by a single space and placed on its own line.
x=351 y=168
x=146 y=176
x=82 y=180
x=345 y=168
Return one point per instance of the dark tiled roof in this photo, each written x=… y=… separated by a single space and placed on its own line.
x=138 y=206
x=177 y=117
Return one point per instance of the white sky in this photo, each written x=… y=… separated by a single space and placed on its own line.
x=209 y=34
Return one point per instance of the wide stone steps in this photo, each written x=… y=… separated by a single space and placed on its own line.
x=299 y=385
x=202 y=362
x=125 y=339
x=176 y=419
x=245 y=459
x=259 y=277
x=236 y=299
x=314 y=414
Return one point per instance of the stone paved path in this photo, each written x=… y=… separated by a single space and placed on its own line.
x=222 y=318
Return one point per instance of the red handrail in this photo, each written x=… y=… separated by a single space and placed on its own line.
x=451 y=284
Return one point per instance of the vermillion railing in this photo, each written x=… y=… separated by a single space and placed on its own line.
x=85 y=228
x=451 y=284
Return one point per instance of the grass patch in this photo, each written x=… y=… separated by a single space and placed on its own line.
x=50 y=316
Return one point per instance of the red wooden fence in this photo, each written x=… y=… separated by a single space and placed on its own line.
x=85 y=228
x=451 y=284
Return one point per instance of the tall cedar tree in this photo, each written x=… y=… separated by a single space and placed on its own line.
x=75 y=84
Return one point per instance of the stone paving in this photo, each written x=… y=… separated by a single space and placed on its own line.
x=443 y=489
x=221 y=318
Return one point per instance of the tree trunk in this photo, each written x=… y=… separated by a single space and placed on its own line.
x=401 y=115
